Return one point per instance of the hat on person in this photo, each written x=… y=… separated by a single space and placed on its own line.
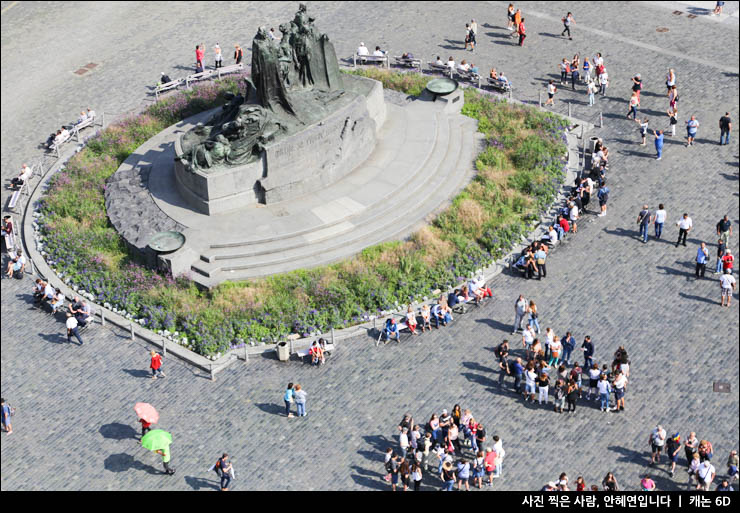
x=444 y=412
x=447 y=465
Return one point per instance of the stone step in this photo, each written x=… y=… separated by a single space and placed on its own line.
x=358 y=186
x=447 y=179
x=415 y=176
x=404 y=206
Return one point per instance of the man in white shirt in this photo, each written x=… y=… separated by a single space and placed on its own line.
x=90 y=113
x=660 y=216
x=362 y=51
x=656 y=441
x=72 y=328
x=464 y=66
x=528 y=336
x=727 y=282
x=705 y=475
x=378 y=52
x=684 y=227
x=573 y=217
x=439 y=62
x=498 y=448
x=451 y=63
x=22 y=178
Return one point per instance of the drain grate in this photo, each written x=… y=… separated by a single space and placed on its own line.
x=661 y=29
x=91 y=65
x=691 y=15
x=80 y=71
x=721 y=387
x=679 y=13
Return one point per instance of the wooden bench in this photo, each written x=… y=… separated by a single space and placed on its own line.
x=468 y=76
x=233 y=68
x=196 y=77
x=167 y=86
x=15 y=197
x=440 y=68
x=57 y=144
x=408 y=63
x=370 y=58
x=498 y=85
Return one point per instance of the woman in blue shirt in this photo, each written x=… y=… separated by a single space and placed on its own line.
x=288 y=398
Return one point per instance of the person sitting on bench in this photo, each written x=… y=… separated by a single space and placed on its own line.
x=317 y=354
x=49 y=293
x=411 y=320
x=83 y=314
x=90 y=113
x=493 y=74
x=408 y=56
x=453 y=298
x=464 y=65
x=164 y=79
x=391 y=331
x=17 y=265
x=7 y=228
x=378 y=52
x=57 y=301
x=81 y=119
x=22 y=178
x=426 y=318
x=38 y=290
x=439 y=62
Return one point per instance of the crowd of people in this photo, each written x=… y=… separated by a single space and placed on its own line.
x=454 y=446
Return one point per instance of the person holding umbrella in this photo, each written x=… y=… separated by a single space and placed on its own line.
x=159 y=441
x=147 y=416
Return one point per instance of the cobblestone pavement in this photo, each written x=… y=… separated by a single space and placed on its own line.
x=75 y=423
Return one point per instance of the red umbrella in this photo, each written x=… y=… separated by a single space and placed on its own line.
x=147 y=412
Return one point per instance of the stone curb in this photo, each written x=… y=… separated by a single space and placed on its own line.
x=45 y=271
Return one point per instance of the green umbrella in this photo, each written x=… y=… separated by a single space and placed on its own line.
x=156 y=439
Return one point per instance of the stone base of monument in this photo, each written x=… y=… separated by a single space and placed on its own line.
x=423 y=155
x=297 y=164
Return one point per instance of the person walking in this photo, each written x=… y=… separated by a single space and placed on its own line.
x=522 y=31
x=520 y=308
x=725 y=127
x=575 y=75
x=603 y=81
x=569 y=344
x=448 y=476
x=728 y=260
x=156 y=365
x=672 y=448
x=72 y=328
x=6 y=413
x=658 y=144
x=659 y=220
x=727 y=283
x=620 y=387
x=656 y=442
x=225 y=471
x=672 y=119
x=568 y=20
x=510 y=18
x=199 y=53
x=684 y=227
x=633 y=103
x=643 y=219
x=166 y=457
x=551 y=90
x=533 y=316
x=702 y=257
x=603 y=196
x=591 y=89
x=721 y=246
x=218 y=57
x=238 y=54
x=604 y=391
x=724 y=229
x=145 y=427
x=692 y=126
x=588 y=352
x=670 y=80
x=416 y=476
x=643 y=130
x=300 y=400
x=288 y=398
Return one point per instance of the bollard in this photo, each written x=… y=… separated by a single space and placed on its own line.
x=246 y=353
x=102 y=317
x=540 y=98
x=332 y=336
x=601 y=120
x=164 y=346
x=291 y=346
x=583 y=151
x=132 y=331
x=509 y=93
x=213 y=376
x=569 y=110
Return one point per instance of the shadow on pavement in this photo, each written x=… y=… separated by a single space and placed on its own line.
x=117 y=431
x=196 y=483
x=137 y=373
x=271 y=408
x=125 y=462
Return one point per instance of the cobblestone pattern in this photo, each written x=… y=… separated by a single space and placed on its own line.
x=75 y=423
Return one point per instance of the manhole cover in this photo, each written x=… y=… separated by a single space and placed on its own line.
x=679 y=13
x=91 y=65
x=721 y=387
x=81 y=71
x=691 y=15
x=164 y=242
x=661 y=29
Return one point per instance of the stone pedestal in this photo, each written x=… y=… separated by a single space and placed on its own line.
x=294 y=165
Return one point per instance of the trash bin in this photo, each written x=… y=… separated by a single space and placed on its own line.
x=592 y=143
x=283 y=351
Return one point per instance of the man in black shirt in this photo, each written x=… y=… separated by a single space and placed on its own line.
x=725 y=126
x=724 y=229
x=165 y=79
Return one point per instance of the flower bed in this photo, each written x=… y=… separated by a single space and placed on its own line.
x=519 y=174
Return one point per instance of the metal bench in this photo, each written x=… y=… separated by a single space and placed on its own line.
x=370 y=58
x=196 y=77
x=303 y=353
x=399 y=325
x=408 y=63
x=167 y=86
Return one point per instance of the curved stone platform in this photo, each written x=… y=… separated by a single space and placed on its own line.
x=423 y=157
